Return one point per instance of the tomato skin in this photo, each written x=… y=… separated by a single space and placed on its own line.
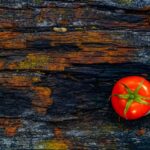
x=136 y=110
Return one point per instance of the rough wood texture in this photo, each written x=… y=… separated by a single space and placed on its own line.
x=58 y=63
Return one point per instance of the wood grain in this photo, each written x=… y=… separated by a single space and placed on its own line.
x=58 y=63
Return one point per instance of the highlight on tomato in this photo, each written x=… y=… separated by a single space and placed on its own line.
x=131 y=97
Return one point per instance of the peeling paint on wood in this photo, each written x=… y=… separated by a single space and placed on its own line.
x=10 y=125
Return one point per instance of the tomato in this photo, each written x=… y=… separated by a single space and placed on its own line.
x=131 y=97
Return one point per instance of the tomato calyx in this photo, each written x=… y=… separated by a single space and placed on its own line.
x=132 y=96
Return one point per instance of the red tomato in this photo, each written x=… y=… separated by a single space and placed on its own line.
x=131 y=97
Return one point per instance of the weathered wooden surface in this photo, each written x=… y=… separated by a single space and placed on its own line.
x=58 y=63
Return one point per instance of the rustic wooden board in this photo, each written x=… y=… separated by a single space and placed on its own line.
x=58 y=63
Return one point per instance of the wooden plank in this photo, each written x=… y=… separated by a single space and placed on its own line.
x=54 y=51
x=128 y=4
x=88 y=116
x=74 y=18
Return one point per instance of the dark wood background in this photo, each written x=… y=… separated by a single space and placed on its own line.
x=58 y=63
